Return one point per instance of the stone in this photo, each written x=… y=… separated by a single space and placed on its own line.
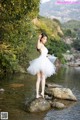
x=16 y=85
x=48 y=97
x=62 y=93
x=2 y=90
x=52 y=85
x=58 y=105
x=38 y=105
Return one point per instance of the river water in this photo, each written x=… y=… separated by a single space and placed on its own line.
x=21 y=87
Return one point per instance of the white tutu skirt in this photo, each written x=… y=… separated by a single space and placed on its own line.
x=42 y=63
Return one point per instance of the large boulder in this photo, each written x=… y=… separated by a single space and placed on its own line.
x=62 y=93
x=38 y=105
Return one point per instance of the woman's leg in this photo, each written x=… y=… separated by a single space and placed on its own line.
x=38 y=84
x=43 y=80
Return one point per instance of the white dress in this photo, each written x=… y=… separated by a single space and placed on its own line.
x=42 y=63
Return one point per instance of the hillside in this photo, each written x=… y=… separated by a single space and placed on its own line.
x=63 y=12
x=50 y=27
x=72 y=24
x=72 y=33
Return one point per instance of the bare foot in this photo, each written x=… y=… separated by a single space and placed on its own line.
x=38 y=96
x=42 y=95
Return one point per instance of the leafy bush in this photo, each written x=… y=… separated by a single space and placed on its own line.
x=8 y=60
x=17 y=33
x=76 y=44
x=58 y=48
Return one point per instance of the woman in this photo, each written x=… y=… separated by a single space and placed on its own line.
x=41 y=66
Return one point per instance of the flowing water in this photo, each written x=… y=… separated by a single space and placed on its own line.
x=21 y=87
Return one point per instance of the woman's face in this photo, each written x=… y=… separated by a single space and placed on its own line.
x=44 y=40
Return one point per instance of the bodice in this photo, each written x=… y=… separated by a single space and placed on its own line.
x=44 y=51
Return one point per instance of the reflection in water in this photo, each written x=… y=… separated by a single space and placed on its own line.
x=21 y=87
x=69 y=77
x=71 y=113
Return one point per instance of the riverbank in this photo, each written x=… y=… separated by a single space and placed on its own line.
x=21 y=87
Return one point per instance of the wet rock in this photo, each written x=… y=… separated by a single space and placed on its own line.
x=62 y=93
x=67 y=103
x=58 y=105
x=38 y=105
x=2 y=90
x=56 y=96
x=16 y=85
x=1 y=98
x=48 y=97
x=53 y=85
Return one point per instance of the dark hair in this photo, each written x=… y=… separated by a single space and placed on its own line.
x=37 y=49
x=43 y=35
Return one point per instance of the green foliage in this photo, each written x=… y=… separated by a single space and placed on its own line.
x=16 y=9
x=58 y=48
x=8 y=60
x=18 y=34
x=21 y=37
x=69 y=32
x=76 y=44
x=72 y=24
x=72 y=29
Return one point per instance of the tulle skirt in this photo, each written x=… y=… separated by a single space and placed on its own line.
x=42 y=63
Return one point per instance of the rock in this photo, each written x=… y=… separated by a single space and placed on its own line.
x=73 y=64
x=2 y=90
x=62 y=93
x=1 y=98
x=52 y=85
x=58 y=105
x=67 y=103
x=16 y=85
x=38 y=105
x=48 y=97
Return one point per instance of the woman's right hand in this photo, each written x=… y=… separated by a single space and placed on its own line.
x=40 y=36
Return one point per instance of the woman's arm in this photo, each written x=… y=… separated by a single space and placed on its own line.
x=39 y=43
